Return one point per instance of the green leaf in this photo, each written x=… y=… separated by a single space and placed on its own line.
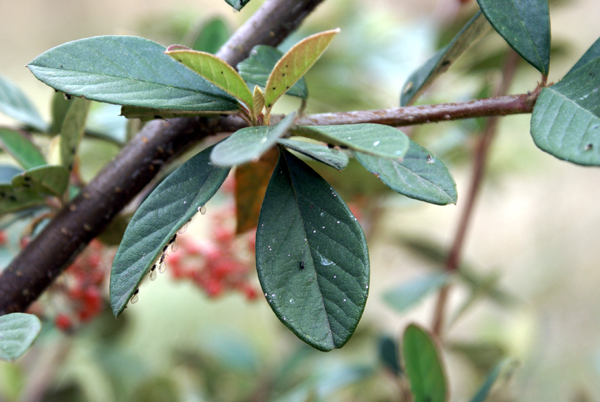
x=21 y=148
x=17 y=198
x=423 y=366
x=329 y=156
x=257 y=68
x=170 y=206
x=17 y=333
x=72 y=129
x=295 y=63
x=440 y=62
x=212 y=36
x=524 y=25
x=418 y=175
x=590 y=55
x=250 y=143
x=407 y=295
x=389 y=355
x=372 y=139
x=15 y=104
x=506 y=366
x=51 y=180
x=237 y=4
x=566 y=117
x=215 y=71
x=311 y=256
x=127 y=70
x=59 y=109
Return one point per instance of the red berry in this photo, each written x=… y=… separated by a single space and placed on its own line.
x=63 y=322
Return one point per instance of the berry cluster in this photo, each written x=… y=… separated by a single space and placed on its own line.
x=78 y=292
x=222 y=263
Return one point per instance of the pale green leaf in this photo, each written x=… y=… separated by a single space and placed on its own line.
x=72 y=130
x=410 y=293
x=15 y=104
x=51 y=180
x=21 y=148
x=295 y=63
x=17 y=333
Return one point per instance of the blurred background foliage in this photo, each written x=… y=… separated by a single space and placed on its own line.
x=527 y=288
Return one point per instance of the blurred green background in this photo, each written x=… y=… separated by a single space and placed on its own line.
x=535 y=228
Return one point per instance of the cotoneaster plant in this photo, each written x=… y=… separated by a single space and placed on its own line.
x=311 y=254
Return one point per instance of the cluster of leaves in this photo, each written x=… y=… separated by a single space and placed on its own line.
x=309 y=247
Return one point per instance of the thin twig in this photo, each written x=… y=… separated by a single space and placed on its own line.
x=481 y=154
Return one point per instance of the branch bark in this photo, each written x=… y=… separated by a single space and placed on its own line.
x=36 y=267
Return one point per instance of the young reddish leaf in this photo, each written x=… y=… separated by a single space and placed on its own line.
x=295 y=63
x=251 y=181
x=215 y=71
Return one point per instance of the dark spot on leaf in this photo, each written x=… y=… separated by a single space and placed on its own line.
x=588 y=147
x=330 y=146
x=301 y=264
x=56 y=90
x=12 y=197
x=269 y=105
x=26 y=178
x=173 y=239
x=283 y=75
x=221 y=72
x=73 y=150
x=61 y=66
x=136 y=292
x=445 y=63
x=274 y=88
x=287 y=87
x=71 y=166
x=67 y=96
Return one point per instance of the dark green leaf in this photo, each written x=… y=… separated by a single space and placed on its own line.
x=504 y=366
x=18 y=198
x=51 y=180
x=311 y=256
x=372 y=139
x=21 y=148
x=17 y=333
x=389 y=354
x=237 y=4
x=171 y=205
x=15 y=104
x=127 y=70
x=591 y=54
x=212 y=36
x=421 y=79
x=418 y=175
x=524 y=25
x=423 y=366
x=408 y=294
x=250 y=143
x=72 y=129
x=566 y=117
x=329 y=156
x=257 y=68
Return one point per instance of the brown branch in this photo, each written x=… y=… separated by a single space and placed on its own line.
x=36 y=267
x=481 y=154
x=412 y=115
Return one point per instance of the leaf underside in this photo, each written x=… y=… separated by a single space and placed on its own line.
x=524 y=25
x=419 y=175
x=17 y=332
x=21 y=148
x=440 y=62
x=170 y=206
x=257 y=68
x=249 y=143
x=372 y=139
x=127 y=70
x=423 y=366
x=295 y=63
x=566 y=117
x=311 y=256
x=15 y=104
x=322 y=153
